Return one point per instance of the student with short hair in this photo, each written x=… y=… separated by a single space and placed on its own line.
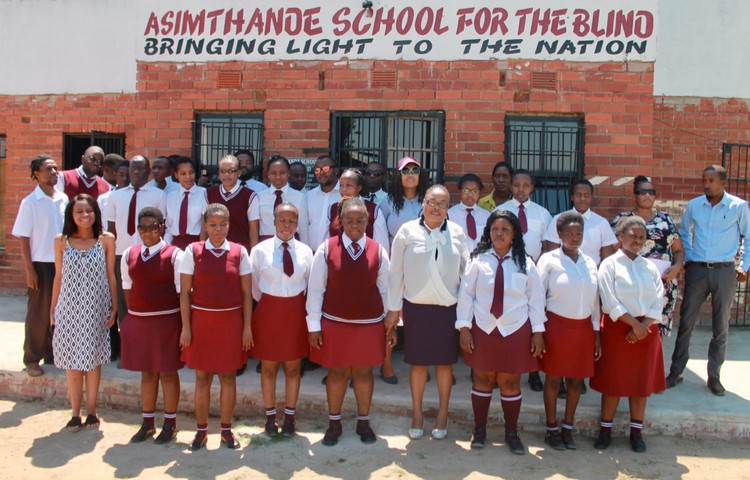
x=467 y=214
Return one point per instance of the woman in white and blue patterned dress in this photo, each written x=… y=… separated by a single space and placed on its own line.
x=81 y=309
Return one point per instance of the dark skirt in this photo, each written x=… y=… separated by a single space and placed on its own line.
x=495 y=353
x=430 y=335
x=151 y=343
x=569 y=345
x=217 y=341
x=350 y=344
x=628 y=369
x=280 y=329
x=182 y=241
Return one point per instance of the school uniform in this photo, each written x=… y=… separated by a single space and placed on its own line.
x=216 y=306
x=464 y=216
x=254 y=185
x=119 y=210
x=376 y=227
x=75 y=182
x=377 y=197
x=629 y=369
x=572 y=314
x=537 y=219
x=170 y=186
x=185 y=209
x=318 y=202
x=150 y=332
x=267 y=201
x=279 y=326
x=597 y=234
x=242 y=204
x=345 y=301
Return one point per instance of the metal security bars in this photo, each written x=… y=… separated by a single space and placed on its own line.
x=552 y=149
x=216 y=135
x=75 y=144
x=736 y=159
x=358 y=138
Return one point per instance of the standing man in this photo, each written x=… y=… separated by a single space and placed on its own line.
x=319 y=201
x=247 y=169
x=710 y=229
x=85 y=179
x=374 y=181
x=161 y=171
x=122 y=209
x=39 y=220
x=109 y=168
x=297 y=176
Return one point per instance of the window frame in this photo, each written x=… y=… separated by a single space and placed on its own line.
x=211 y=165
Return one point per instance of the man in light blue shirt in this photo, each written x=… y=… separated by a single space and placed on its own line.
x=711 y=228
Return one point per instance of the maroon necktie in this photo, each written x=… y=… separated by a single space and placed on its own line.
x=146 y=253
x=497 y=298
x=522 y=218
x=277 y=202
x=184 y=214
x=287 y=260
x=132 y=213
x=471 y=224
x=356 y=247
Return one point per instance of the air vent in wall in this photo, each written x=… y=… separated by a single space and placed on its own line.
x=544 y=80
x=383 y=79
x=230 y=79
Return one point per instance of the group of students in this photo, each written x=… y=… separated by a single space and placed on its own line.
x=210 y=277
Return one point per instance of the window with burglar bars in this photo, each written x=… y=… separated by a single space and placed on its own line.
x=216 y=135
x=551 y=148
x=736 y=159
x=75 y=144
x=358 y=138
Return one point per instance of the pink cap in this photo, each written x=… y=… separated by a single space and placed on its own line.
x=407 y=161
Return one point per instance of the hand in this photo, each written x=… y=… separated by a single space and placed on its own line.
x=537 y=345
x=391 y=338
x=247 y=338
x=640 y=331
x=597 y=346
x=112 y=318
x=52 y=316
x=391 y=320
x=466 y=340
x=315 y=339
x=32 y=280
x=186 y=337
x=741 y=275
x=671 y=273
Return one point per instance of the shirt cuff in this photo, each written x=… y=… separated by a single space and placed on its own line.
x=463 y=323
x=313 y=323
x=618 y=312
x=395 y=305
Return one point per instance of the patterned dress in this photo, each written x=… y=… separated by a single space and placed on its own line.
x=81 y=338
x=662 y=232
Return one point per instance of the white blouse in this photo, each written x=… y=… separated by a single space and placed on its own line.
x=571 y=288
x=459 y=214
x=630 y=286
x=266 y=201
x=267 y=264
x=196 y=209
x=597 y=233
x=523 y=297
x=416 y=275
x=187 y=266
x=537 y=219
x=318 y=206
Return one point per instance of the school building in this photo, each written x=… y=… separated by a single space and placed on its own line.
x=605 y=90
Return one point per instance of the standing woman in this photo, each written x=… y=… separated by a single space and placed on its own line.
x=428 y=256
x=632 y=364
x=663 y=245
x=82 y=309
x=279 y=192
x=150 y=332
x=216 y=305
x=185 y=207
x=571 y=335
x=502 y=173
x=345 y=311
x=351 y=183
x=501 y=320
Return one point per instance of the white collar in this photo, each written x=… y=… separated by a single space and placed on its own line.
x=210 y=246
x=153 y=250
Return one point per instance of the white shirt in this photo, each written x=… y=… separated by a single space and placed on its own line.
x=412 y=210
x=196 y=208
x=597 y=233
x=380 y=197
x=537 y=219
x=267 y=263
x=40 y=219
x=254 y=185
x=318 y=205
x=630 y=286
x=416 y=275
x=102 y=202
x=127 y=281
x=523 y=296
x=253 y=213
x=316 y=289
x=169 y=188
x=266 y=201
x=571 y=288
x=458 y=214
x=118 y=206
x=187 y=265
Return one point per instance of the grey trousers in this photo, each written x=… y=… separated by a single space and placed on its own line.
x=37 y=344
x=721 y=284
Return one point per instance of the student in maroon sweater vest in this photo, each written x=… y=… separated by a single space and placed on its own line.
x=345 y=312
x=85 y=179
x=216 y=304
x=150 y=332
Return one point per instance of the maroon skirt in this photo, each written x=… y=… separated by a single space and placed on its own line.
x=569 y=346
x=350 y=344
x=628 y=369
x=217 y=341
x=430 y=335
x=280 y=329
x=182 y=241
x=151 y=343
x=495 y=353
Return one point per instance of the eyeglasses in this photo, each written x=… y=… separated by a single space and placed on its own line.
x=324 y=169
x=92 y=158
x=433 y=204
x=470 y=191
x=646 y=191
x=374 y=174
x=149 y=228
x=228 y=172
x=410 y=171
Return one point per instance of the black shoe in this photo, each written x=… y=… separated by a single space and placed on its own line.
x=332 y=434
x=199 y=441
x=309 y=366
x=92 y=422
x=365 y=432
x=584 y=390
x=229 y=440
x=673 y=379
x=562 y=392
x=167 y=434
x=323 y=382
x=392 y=380
x=479 y=437
x=535 y=382
x=241 y=370
x=271 y=428
x=566 y=434
x=603 y=440
x=258 y=367
x=146 y=431
x=553 y=439
x=74 y=424
x=716 y=387
x=288 y=429
x=514 y=443
x=636 y=442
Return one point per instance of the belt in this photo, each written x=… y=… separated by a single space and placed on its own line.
x=713 y=264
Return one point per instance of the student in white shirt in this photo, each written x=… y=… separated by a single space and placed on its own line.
x=319 y=200
x=375 y=179
x=161 y=172
x=280 y=192
x=468 y=214
x=281 y=269
x=185 y=207
x=501 y=319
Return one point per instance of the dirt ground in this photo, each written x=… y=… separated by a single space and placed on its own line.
x=36 y=446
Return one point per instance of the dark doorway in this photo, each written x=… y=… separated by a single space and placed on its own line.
x=74 y=144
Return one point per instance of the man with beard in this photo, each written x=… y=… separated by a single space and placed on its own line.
x=320 y=199
x=247 y=170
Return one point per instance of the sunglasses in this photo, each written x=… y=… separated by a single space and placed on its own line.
x=411 y=171
x=374 y=174
x=325 y=169
x=228 y=172
x=646 y=191
x=433 y=204
x=470 y=191
x=149 y=228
